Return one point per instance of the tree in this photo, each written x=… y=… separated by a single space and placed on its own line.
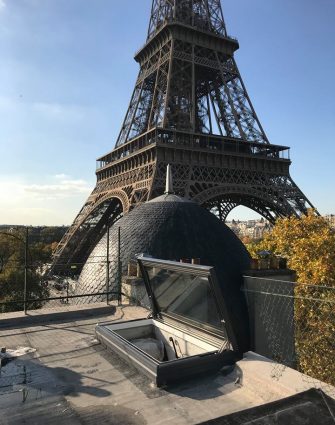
x=42 y=242
x=246 y=240
x=12 y=261
x=308 y=244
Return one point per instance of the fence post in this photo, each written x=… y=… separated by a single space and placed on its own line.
x=25 y=272
x=119 y=266
x=107 y=265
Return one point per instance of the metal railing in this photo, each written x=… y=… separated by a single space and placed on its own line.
x=64 y=300
x=293 y=324
x=194 y=141
x=25 y=283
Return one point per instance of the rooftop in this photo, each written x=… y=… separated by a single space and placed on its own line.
x=72 y=379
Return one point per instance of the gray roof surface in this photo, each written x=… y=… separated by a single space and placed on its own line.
x=71 y=379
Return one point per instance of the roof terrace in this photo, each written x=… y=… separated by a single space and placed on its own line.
x=67 y=377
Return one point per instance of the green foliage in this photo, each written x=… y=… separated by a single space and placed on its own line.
x=308 y=244
x=12 y=265
x=12 y=289
x=315 y=332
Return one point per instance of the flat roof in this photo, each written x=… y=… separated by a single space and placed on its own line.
x=72 y=379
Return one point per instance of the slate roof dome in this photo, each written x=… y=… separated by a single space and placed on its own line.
x=172 y=228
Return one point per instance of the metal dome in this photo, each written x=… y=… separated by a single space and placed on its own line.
x=172 y=228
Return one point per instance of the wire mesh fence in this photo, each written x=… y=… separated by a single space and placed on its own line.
x=293 y=324
x=59 y=301
x=25 y=281
x=32 y=287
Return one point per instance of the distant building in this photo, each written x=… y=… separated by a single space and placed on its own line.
x=331 y=219
x=254 y=229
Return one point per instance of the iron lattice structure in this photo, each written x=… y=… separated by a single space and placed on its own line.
x=190 y=109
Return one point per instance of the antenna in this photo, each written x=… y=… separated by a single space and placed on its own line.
x=169 y=182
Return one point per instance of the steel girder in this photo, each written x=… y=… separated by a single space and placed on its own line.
x=188 y=97
x=148 y=102
x=89 y=226
x=108 y=202
x=187 y=86
x=271 y=195
x=204 y=15
x=217 y=189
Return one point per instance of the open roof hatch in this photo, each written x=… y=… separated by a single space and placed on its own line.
x=188 y=332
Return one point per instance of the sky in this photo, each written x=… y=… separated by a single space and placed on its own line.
x=67 y=73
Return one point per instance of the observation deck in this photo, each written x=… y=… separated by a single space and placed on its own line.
x=187 y=33
x=196 y=142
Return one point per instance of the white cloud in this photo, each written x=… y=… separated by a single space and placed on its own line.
x=56 y=202
x=62 y=176
x=10 y=192
x=65 y=189
x=33 y=216
x=2 y=5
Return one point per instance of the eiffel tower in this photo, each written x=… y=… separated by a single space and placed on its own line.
x=190 y=108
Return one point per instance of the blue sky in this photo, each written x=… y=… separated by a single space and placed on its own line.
x=67 y=73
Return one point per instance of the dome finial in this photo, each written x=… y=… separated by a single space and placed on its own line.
x=169 y=183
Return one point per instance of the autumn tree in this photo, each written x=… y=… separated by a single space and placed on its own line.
x=308 y=244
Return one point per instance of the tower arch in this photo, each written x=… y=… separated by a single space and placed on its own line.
x=221 y=200
x=89 y=226
x=190 y=108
